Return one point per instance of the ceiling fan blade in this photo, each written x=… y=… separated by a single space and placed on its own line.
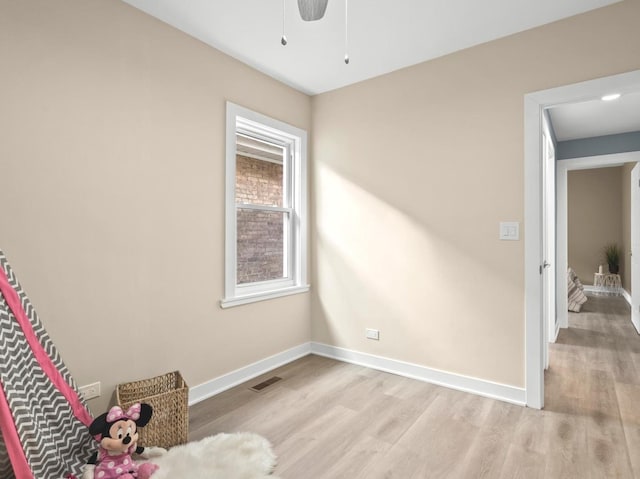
x=311 y=10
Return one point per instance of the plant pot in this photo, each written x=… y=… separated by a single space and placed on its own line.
x=614 y=268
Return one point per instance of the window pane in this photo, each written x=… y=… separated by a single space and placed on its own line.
x=259 y=172
x=260 y=245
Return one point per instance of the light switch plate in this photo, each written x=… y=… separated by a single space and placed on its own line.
x=510 y=230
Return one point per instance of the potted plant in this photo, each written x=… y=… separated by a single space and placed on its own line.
x=612 y=256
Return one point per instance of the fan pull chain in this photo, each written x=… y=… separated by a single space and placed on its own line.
x=346 y=32
x=283 y=39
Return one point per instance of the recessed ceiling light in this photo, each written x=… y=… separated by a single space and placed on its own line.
x=613 y=96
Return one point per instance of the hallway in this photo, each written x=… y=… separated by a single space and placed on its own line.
x=593 y=383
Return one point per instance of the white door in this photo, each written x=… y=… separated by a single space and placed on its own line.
x=635 y=246
x=550 y=241
x=548 y=245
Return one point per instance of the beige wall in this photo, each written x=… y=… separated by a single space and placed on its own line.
x=595 y=218
x=112 y=132
x=406 y=226
x=111 y=157
x=626 y=225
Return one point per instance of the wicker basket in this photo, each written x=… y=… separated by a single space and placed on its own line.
x=168 y=396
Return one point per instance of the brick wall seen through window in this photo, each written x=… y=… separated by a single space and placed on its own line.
x=259 y=233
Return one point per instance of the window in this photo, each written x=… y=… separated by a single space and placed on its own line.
x=265 y=241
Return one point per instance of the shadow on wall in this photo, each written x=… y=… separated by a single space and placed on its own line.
x=431 y=299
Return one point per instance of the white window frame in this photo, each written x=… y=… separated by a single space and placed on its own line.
x=294 y=142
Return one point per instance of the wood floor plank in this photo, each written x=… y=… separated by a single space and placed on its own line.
x=312 y=450
x=629 y=403
x=397 y=463
x=529 y=433
x=522 y=463
x=358 y=461
x=608 y=454
x=439 y=439
x=566 y=446
x=487 y=454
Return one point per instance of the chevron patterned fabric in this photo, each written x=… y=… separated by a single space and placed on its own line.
x=53 y=441
x=5 y=464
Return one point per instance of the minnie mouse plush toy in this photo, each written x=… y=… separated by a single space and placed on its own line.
x=117 y=431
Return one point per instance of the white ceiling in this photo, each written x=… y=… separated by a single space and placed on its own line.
x=596 y=117
x=384 y=35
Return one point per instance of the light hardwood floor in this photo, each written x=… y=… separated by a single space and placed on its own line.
x=332 y=420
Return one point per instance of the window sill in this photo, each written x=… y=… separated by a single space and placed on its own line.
x=262 y=296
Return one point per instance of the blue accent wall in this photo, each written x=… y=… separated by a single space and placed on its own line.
x=599 y=145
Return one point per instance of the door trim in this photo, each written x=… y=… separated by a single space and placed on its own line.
x=634 y=297
x=534 y=105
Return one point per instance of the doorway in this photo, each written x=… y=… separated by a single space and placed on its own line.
x=564 y=166
x=535 y=105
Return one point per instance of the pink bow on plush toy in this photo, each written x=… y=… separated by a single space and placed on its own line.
x=116 y=413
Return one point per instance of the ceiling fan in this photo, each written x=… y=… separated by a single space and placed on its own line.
x=312 y=10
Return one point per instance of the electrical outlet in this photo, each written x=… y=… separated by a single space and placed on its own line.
x=373 y=334
x=90 y=391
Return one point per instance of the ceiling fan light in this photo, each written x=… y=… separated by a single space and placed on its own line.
x=311 y=10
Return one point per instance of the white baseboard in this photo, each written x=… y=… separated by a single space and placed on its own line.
x=595 y=291
x=634 y=319
x=626 y=296
x=468 y=384
x=635 y=325
x=227 y=381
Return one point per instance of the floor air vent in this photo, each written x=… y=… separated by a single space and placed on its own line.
x=264 y=384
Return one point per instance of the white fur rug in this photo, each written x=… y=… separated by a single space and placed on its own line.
x=223 y=456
